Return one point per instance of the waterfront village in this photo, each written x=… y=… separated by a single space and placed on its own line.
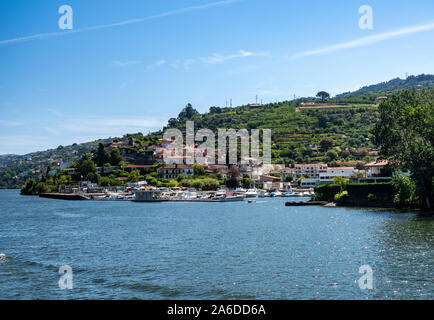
x=147 y=178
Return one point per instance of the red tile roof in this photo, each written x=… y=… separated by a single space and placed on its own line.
x=378 y=163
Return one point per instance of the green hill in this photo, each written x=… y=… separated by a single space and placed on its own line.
x=423 y=80
x=303 y=130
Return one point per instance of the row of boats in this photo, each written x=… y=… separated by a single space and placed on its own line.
x=225 y=196
x=204 y=196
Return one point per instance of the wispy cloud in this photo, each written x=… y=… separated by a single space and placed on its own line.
x=122 y=23
x=365 y=41
x=216 y=58
x=122 y=64
x=156 y=64
x=10 y=123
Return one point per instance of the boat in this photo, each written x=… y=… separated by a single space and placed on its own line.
x=288 y=194
x=251 y=193
x=277 y=194
x=231 y=198
x=227 y=197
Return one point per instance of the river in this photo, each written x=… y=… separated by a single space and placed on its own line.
x=264 y=250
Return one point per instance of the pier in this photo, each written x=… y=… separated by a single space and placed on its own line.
x=305 y=204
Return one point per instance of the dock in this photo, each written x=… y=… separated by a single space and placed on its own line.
x=64 y=196
x=307 y=203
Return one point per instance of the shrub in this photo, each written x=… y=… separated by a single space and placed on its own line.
x=372 y=197
x=326 y=192
x=198 y=184
x=342 y=197
x=173 y=183
x=362 y=190
x=29 y=187
x=405 y=192
x=210 y=184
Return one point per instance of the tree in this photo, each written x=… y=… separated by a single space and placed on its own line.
x=187 y=113
x=340 y=181
x=323 y=95
x=198 y=170
x=172 y=122
x=246 y=182
x=92 y=177
x=332 y=155
x=233 y=174
x=134 y=176
x=215 y=110
x=197 y=184
x=173 y=183
x=289 y=178
x=326 y=143
x=322 y=121
x=405 y=191
x=29 y=187
x=85 y=166
x=101 y=156
x=115 y=157
x=405 y=135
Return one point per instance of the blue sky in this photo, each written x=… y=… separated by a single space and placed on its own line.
x=59 y=87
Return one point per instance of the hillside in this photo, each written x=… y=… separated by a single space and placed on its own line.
x=303 y=130
x=423 y=80
x=16 y=169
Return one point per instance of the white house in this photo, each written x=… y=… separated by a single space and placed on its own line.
x=312 y=170
x=172 y=171
x=331 y=173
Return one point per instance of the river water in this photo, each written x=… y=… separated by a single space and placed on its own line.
x=127 y=250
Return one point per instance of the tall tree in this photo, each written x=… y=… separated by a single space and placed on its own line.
x=187 y=113
x=115 y=157
x=84 y=167
x=101 y=156
x=233 y=174
x=323 y=95
x=405 y=135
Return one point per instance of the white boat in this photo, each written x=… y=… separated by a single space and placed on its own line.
x=226 y=197
x=288 y=193
x=251 y=193
x=231 y=198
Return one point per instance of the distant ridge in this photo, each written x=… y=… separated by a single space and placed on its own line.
x=423 y=80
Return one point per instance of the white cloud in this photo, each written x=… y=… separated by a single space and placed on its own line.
x=156 y=64
x=365 y=41
x=216 y=58
x=122 y=23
